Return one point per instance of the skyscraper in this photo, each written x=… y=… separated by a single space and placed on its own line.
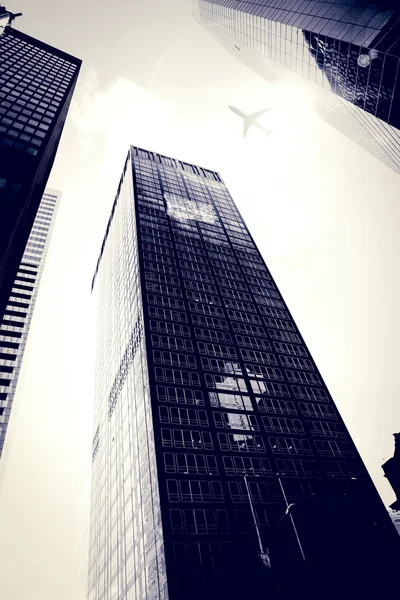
x=14 y=327
x=211 y=418
x=36 y=86
x=346 y=55
x=391 y=469
x=395 y=516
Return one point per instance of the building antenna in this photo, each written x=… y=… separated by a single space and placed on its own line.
x=7 y=14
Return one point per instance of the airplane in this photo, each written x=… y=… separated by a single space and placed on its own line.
x=251 y=119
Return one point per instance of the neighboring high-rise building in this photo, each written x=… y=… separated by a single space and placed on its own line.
x=346 y=54
x=211 y=417
x=395 y=516
x=14 y=327
x=36 y=86
x=391 y=468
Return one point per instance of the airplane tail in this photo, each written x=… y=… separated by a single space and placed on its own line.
x=267 y=132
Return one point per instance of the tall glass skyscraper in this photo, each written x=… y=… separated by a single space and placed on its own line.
x=345 y=53
x=14 y=327
x=36 y=86
x=211 y=417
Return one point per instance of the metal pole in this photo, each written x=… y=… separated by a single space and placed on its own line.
x=293 y=523
x=264 y=554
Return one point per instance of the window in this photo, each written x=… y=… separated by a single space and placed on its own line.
x=238 y=305
x=213 y=336
x=221 y=366
x=205 y=521
x=269 y=387
x=233 y=275
x=279 y=407
x=258 y=492
x=290 y=446
x=253 y=342
x=296 y=363
x=230 y=401
x=217 y=350
x=274 y=312
x=174 y=359
x=187 y=464
x=301 y=377
x=172 y=490
x=194 y=440
x=235 y=421
x=180 y=395
x=201 y=297
x=231 y=284
x=176 y=521
x=308 y=393
x=333 y=448
x=278 y=324
x=183 y=416
x=317 y=410
x=296 y=468
x=200 y=491
x=281 y=425
x=190 y=245
x=166 y=301
x=166 y=314
x=170 y=328
x=163 y=289
x=206 y=309
x=198 y=268
x=239 y=466
x=158 y=258
x=209 y=322
x=197 y=276
x=323 y=429
x=290 y=349
x=200 y=287
x=258 y=356
x=176 y=376
x=229 y=293
x=235 y=315
x=225 y=382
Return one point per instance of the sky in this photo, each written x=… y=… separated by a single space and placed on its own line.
x=323 y=212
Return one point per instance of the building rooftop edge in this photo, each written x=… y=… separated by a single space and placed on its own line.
x=184 y=162
x=131 y=149
x=28 y=38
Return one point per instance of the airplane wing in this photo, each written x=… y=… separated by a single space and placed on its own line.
x=254 y=116
x=237 y=111
x=264 y=129
x=260 y=127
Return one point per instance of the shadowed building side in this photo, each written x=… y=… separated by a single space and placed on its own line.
x=212 y=419
x=391 y=469
x=17 y=318
x=36 y=86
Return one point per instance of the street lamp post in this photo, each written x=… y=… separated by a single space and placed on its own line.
x=264 y=552
x=287 y=512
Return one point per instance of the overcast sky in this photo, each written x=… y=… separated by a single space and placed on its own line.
x=324 y=214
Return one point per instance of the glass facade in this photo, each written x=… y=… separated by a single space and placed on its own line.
x=395 y=516
x=36 y=86
x=14 y=328
x=211 y=416
x=33 y=84
x=346 y=54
